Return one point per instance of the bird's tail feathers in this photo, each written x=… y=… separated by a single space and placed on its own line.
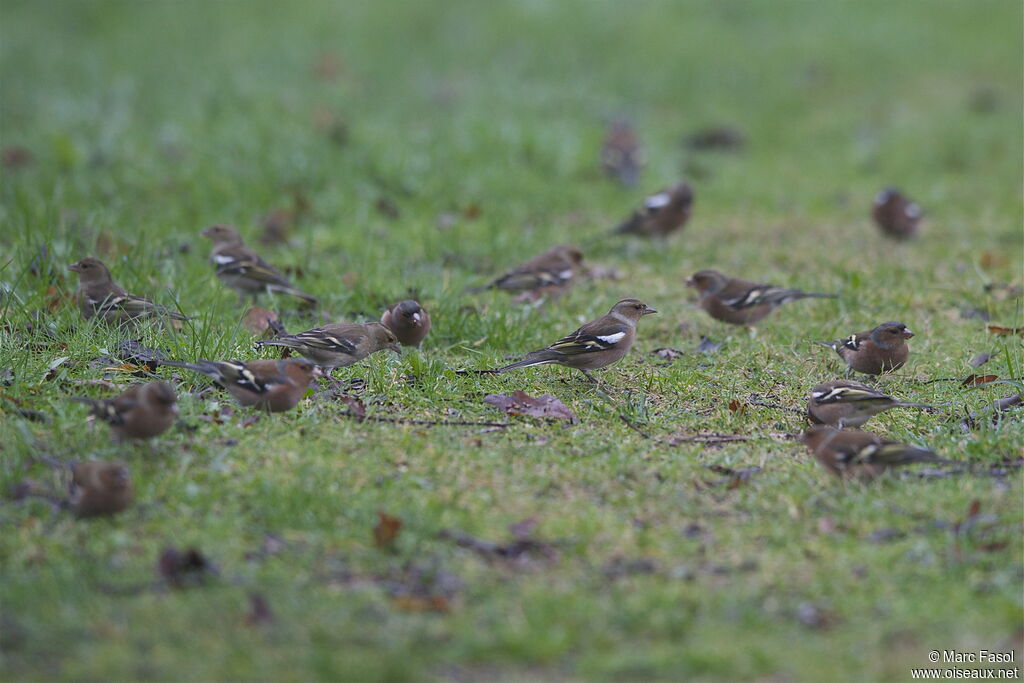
x=528 y=362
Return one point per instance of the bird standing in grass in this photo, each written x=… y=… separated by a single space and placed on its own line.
x=99 y=295
x=408 y=321
x=242 y=269
x=895 y=215
x=339 y=345
x=599 y=343
x=873 y=352
x=661 y=214
x=844 y=403
x=549 y=274
x=621 y=156
x=862 y=455
x=273 y=385
x=99 y=488
x=142 y=412
x=740 y=302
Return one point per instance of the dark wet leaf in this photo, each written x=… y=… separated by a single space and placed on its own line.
x=998 y=329
x=620 y=567
x=388 y=208
x=422 y=588
x=219 y=416
x=185 y=568
x=525 y=550
x=519 y=403
x=707 y=346
x=386 y=532
x=981 y=359
x=524 y=528
x=132 y=351
x=736 y=406
x=667 y=353
x=259 y=610
x=721 y=137
x=978 y=380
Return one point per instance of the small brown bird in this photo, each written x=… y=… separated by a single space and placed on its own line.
x=662 y=213
x=844 y=403
x=549 y=274
x=273 y=385
x=98 y=294
x=862 y=455
x=740 y=302
x=242 y=269
x=895 y=215
x=599 y=343
x=621 y=156
x=883 y=349
x=99 y=488
x=408 y=321
x=142 y=412
x=339 y=345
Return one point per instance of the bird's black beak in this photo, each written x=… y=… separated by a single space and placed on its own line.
x=648 y=310
x=75 y=267
x=689 y=282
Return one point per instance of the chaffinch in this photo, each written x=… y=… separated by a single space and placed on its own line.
x=740 y=302
x=339 y=345
x=883 y=349
x=142 y=412
x=621 y=156
x=98 y=294
x=661 y=214
x=99 y=488
x=408 y=321
x=599 y=343
x=273 y=385
x=844 y=403
x=861 y=455
x=550 y=273
x=242 y=269
x=895 y=215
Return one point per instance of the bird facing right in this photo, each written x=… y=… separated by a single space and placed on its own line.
x=873 y=352
x=99 y=295
x=739 y=302
x=599 y=343
x=273 y=385
x=243 y=270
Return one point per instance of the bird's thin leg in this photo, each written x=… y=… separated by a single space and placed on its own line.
x=588 y=376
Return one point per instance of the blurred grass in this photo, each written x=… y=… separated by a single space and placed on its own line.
x=149 y=121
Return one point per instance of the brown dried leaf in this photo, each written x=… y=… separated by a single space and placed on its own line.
x=999 y=329
x=54 y=298
x=472 y=211
x=184 y=569
x=260 y=322
x=667 y=353
x=386 y=531
x=735 y=406
x=134 y=352
x=978 y=380
x=544 y=406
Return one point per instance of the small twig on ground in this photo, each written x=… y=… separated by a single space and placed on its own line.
x=634 y=427
x=426 y=423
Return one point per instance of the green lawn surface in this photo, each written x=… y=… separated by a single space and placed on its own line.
x=478 y=127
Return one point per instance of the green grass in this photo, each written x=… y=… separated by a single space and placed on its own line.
x=150 y=121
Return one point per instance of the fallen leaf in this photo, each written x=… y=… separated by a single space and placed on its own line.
x=259 y=611
x=978 y=380
x=981 y=359
x=720 y=137
x=707 y=346
x=386 y=531
x=667 y=353
x=999 y=329
x=735 y=406
x=355 y=406
x=51 y=370
x=472 y=211
x=544 y=406
x=260 y=322
x=994 y=411
x=525 y=550
x=184 y=569
x=133 y=351
x=990 y=260
x=54 y=298
x=422 y=589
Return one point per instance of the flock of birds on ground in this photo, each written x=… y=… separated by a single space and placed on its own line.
x=837 y=408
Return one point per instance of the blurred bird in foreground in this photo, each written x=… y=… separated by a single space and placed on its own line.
x=339 y=345
x=661 y=214
x=844 y=403
x=549 y=274
x=99 y=488
x=621 y=156
x=862 y=455
x=272 y=385
x=740 y=302
x=99 y=295
x=895 y=215
x=599 y=343
x=408 y=321
x=242 y=269
x=873 y=352
x=142 y=412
